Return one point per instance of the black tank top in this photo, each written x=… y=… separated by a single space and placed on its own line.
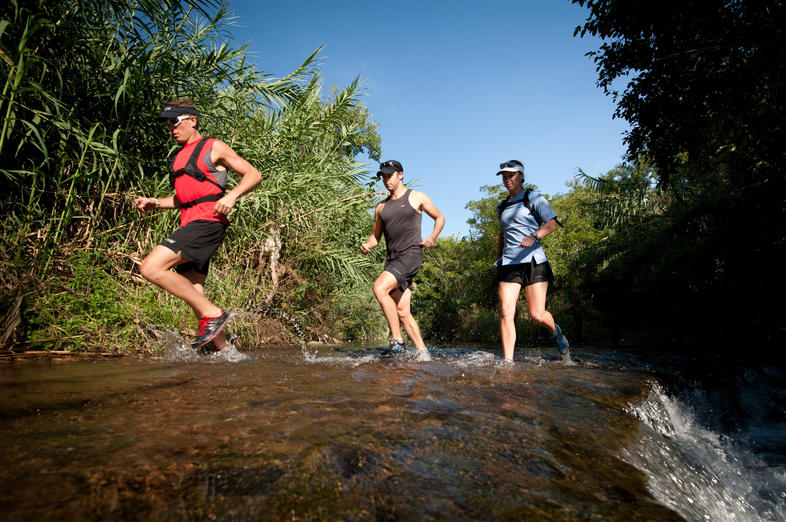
x=401 y=225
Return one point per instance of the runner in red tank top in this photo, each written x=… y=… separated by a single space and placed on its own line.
x=198 y=174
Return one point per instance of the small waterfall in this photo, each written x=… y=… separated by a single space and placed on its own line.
x=698 y=473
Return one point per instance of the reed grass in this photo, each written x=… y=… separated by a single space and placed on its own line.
x=82 y=83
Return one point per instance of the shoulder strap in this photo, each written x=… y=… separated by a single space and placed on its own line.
x=525 y=201
x=191 y=168
x=532 y=210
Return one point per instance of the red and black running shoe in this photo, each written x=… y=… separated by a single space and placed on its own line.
x=210 y=327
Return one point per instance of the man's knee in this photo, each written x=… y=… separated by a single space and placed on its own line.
x=382 y=288
x=150 y=270
x=507 y=314
x=403 y=312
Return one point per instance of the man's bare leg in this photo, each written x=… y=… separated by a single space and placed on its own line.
x=402 y=300
x=385 y=284
x=156 y=268
x=198 y=282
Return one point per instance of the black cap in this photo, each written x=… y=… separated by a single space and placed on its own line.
x=389 y=167
x=173 y=111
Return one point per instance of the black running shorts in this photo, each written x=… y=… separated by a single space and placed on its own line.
x=405 y=267
x=196 y=242
x=526 y=274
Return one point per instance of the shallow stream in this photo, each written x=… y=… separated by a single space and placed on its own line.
x=338 y=434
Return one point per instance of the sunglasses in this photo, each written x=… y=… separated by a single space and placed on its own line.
x=174 y=122
x=511 y=163
x=387 y=164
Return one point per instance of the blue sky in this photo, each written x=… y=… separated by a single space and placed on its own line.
x=456 y=86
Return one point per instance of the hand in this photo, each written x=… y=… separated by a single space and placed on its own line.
x=527 y=242
x=145 y=204
x=428 y=242
x=224 y=205
x=365 y=248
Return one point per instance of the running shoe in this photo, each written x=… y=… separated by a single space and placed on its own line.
x=396 y=347
x=561 y=340
x=209 y=328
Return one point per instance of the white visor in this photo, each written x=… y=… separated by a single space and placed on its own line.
x=515 y=168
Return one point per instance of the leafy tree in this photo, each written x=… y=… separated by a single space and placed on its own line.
x=705 y=81
x=701 y=84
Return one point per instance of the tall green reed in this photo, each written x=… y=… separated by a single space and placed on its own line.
x=83 y=82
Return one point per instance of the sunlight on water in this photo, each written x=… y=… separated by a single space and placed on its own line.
x=701 y=475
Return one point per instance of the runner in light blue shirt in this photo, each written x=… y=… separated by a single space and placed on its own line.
x=525 y=218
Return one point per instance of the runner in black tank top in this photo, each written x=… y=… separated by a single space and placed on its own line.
x=399 y=219
x=401 y=226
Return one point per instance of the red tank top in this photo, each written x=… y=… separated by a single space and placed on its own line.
x=189 y=189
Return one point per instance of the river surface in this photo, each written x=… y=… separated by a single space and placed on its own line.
x=329 y=433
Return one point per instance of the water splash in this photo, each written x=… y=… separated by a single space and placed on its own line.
x=176 y=349
x=477 y=358
x=698 y=473
x=271 y=310
x=230 y=353
x=173 y=346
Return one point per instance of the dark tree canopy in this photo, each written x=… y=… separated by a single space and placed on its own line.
x=702 y=85
x=705 y=80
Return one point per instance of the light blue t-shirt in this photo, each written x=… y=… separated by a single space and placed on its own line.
x=516 y=222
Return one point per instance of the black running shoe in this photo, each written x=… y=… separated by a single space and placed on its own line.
x=209 y=328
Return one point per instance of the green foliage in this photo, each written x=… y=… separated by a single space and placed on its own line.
x=456 y=280
x=606 y=220
x=83 y=311
x=83 y=82
x=704 y=80
x=705 y=100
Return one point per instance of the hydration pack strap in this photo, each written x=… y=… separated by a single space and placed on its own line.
x=203 y=199
x=525 y=200
x=191 y=167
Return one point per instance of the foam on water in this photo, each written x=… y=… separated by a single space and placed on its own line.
x=698 y=473
x=476 y=358
x=228 y=354
x=339 y=360
x=177 y=349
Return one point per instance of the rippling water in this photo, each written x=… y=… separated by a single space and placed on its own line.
x=283 y=433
